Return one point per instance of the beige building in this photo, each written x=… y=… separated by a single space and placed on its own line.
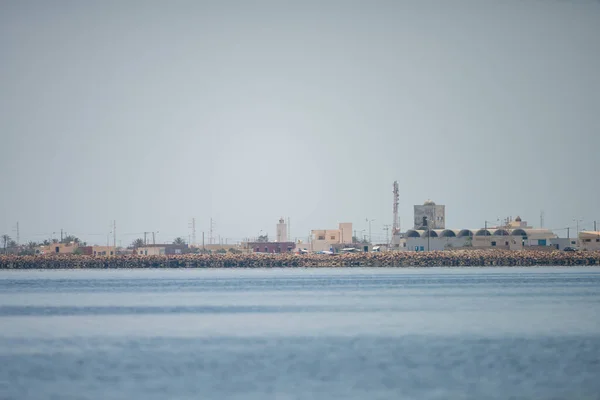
x=589 y=240
x=57 y=248
x=98 y=250
x=161 y=249
x=323 y=239
x=518 y=223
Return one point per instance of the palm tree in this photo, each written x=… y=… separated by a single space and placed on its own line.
x=5 y=240
x=138 y=243
x=179 y=241
x=70 y=238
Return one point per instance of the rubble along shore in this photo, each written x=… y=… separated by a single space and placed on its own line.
x=453 y=258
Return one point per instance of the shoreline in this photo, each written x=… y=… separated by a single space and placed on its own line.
x=454 y=258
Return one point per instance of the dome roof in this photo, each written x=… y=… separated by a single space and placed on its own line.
x=429 y=203
x=518 y=219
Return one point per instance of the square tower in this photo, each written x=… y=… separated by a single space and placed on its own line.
x=431 y=214
x=281 y=231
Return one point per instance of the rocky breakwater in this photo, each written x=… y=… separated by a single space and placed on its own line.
x=454 y=258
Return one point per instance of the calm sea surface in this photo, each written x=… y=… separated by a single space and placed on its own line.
x=436 y=333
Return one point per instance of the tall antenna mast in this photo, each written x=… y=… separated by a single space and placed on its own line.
x=396 y=223
x=542 y=219
x=211 y=231
x=115 y=234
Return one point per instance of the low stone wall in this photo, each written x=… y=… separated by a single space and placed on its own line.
x=453 y=258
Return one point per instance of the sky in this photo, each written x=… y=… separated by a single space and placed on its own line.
x=151 y=113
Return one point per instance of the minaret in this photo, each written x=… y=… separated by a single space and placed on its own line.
x=281 y=231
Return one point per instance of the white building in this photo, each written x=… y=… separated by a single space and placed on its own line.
x=281 y=231
x=515 y=235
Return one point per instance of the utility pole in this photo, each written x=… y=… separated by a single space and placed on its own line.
x=61 y=235
x=145 y=241
x=386 y=228
x=577 y=221
x=194 y=231
x=568 y=234
x=203 y=242
x=369 y=221
x=115 y=234
x=595 y=230
x=153 y=238
x=428 y=234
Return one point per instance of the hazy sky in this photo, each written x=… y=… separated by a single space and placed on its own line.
x=153 y=112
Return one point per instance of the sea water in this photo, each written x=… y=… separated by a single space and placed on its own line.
x=415 y=333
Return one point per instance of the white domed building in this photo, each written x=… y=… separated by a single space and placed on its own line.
x=515 y=234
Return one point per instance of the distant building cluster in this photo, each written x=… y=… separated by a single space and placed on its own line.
x=429 y=232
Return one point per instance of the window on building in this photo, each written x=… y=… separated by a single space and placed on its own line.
x=587 y=240
x=493 y=243
x=506 y=243
x=332 y=237
x=111 y=253
x=321 y=237
x=266 y=249
x=597 y=240
x=258 y=250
